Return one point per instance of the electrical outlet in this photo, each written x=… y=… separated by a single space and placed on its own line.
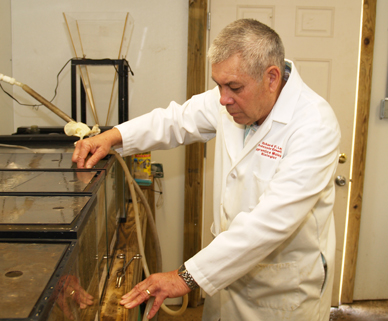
x=157 y=170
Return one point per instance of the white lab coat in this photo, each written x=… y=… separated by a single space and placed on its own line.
x=273 y=203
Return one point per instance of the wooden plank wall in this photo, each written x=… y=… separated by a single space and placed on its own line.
x=196 y=73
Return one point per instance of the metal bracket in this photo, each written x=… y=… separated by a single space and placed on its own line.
x=384 y=109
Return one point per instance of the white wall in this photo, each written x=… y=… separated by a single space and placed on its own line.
x=371 y=273
x=6 y=121
x=41 y=45
x=157 y=55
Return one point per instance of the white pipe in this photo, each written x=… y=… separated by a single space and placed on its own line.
x=10 y=80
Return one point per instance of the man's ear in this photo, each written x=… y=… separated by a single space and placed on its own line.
x=273 y=76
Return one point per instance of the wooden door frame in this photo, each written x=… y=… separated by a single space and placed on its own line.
x=196 y=79
x=196 y=76
x=359 y=151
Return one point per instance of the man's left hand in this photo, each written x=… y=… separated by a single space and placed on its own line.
x=160 y=286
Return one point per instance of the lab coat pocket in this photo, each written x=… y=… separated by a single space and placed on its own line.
x=263 y=170
x=275 y=286
x=265 y=162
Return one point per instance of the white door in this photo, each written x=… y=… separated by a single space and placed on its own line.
x=322 y=38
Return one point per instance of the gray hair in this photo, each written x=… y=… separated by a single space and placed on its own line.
x=258 y=45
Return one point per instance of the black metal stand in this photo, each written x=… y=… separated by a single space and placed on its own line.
x=122 y=68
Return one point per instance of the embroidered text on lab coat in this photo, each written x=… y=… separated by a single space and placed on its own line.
x=269 y=150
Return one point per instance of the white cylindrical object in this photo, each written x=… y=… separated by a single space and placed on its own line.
x=10 y=80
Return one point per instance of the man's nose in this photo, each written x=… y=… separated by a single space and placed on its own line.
x=225 y=98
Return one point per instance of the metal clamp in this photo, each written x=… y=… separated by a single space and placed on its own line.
x=120 y=274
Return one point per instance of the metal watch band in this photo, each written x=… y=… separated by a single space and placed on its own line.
x=186 y=276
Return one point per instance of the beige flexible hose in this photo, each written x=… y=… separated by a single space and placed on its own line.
x=132 y=186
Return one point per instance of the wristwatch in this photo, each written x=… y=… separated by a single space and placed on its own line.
x=186 y=276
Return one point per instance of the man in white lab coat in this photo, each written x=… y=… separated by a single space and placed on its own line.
x=272 y=257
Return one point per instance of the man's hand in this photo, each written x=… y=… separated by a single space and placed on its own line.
x=160 y=286
x=98 y=146
x=71 y=291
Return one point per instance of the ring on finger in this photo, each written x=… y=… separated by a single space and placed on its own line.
x=148 y=292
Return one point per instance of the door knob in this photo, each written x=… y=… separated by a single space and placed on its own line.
x=342 y=158
x=340 y=180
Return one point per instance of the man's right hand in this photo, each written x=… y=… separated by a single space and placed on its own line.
x=98 y=146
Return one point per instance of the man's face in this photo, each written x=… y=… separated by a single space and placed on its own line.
x=245 y=99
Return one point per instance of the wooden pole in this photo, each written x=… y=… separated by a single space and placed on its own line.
x=46 y=103
x=359 y=153
x=114 y=75
x=196 y=75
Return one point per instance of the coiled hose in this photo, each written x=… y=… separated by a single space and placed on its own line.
x=132 y=187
